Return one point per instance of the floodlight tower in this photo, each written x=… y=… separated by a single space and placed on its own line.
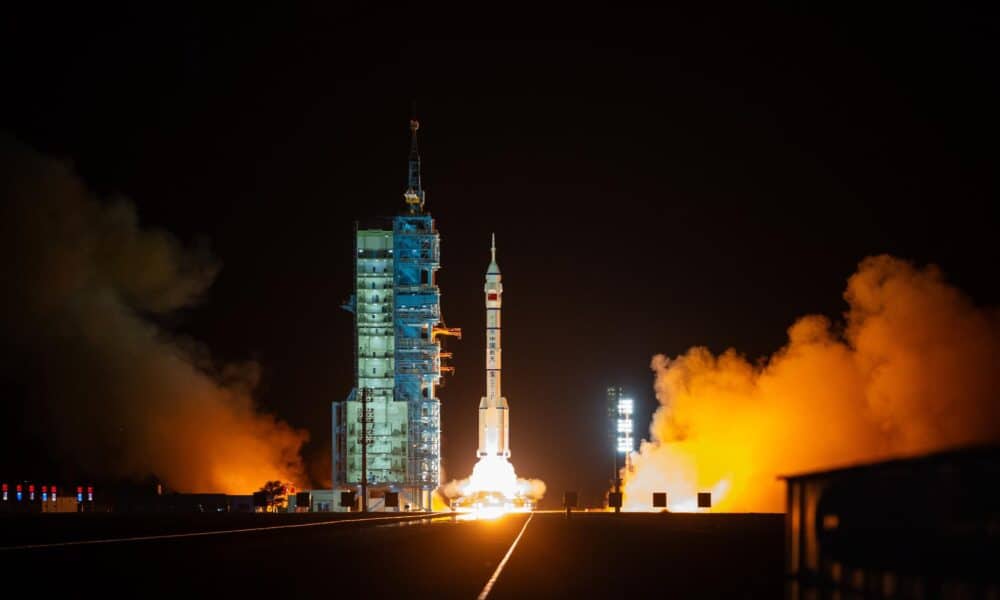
x=620 y=412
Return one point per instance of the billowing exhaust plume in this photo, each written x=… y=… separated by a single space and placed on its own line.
x=912 y=370
x=493 y=474
x=112 y=392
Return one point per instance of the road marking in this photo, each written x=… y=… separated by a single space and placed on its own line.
x=489 y=584
x=173 y=536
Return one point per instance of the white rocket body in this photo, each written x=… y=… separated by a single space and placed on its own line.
x=494 y=432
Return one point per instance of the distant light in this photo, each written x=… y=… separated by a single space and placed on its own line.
x=53 y=493
x=5 y=492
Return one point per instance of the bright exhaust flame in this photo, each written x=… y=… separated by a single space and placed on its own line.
x=492 y=474
x=493 y=490
x=912 y=371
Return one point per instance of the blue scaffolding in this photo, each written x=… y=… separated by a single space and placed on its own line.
x=418 y=363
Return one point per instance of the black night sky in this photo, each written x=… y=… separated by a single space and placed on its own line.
x=656 y=182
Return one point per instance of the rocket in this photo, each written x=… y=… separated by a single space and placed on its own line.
x=494 y=433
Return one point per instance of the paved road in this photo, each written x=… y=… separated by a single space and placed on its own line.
x=588 y=555
x=637 y=555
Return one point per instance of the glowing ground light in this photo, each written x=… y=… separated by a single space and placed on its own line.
x=484 y=513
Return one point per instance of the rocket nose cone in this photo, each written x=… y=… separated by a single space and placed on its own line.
x=493 y=268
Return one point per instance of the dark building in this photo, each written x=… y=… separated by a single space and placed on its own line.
x=151 y=497
x=924 y=527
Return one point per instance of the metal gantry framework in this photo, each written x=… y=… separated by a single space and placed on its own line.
x=397 y=313
x=418 y=361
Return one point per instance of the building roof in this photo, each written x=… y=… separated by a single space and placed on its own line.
x=953 y=455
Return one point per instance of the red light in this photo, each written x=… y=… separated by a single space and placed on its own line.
x=31 y=488
x=5 y=487
x=53 y=489
x=20 y=488
x=90 y=489
x=79 y=489
x=45 y=488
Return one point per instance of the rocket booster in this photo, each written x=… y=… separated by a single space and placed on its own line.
x=494 y=433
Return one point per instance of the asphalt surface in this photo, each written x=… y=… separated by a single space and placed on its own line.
x=588 y=555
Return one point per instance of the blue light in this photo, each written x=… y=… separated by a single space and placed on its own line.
x=20 y=496
x=79 y=497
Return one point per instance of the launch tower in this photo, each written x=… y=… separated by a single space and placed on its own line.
x=390 y=420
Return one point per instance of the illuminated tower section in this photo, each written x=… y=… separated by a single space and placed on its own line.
x=384 y=420
x=494 y=414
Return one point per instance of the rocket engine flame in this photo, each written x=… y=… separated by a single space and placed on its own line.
x=496 y=474
x=494 y=489
x=913 y=371
x=492 y=474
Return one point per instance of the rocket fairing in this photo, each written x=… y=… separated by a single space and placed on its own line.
x=494 y=432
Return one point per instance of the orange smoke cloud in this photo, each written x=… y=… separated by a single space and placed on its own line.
x=112 y=392
x=912 y=371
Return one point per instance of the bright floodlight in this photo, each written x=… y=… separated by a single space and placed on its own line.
x=625 y=425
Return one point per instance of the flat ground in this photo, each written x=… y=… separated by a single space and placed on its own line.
x=587 y=555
